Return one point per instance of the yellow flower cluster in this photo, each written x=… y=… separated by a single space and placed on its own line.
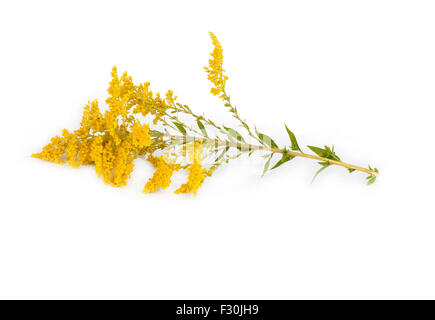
x=111 y=140
x=215 y=72
x=197 y=174
x=162 y=175
x=53 y=151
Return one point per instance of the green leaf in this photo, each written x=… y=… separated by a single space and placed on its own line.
x=371 y=180
x=266 y=165
x=373 y=169
x=180 y=127
x=268 y=140
x=222 y=154
x=324 y=163
x=330 y=154
x=318 y=171
x=293 y=140
x=201 y=127
x=325 y=153
x=285 y=157
x=234 y=134
x=351 y=170
x=319 y=151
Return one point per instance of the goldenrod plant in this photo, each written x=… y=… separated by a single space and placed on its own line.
x=167 y=133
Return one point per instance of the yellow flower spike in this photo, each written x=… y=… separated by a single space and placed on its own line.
x=114 y=85
x=144 y=99
x=216 y=74
x=111 y=124
x=159 y=108
x=108 y=158
x=197 y=174
x=170 y=97
x=97 y=154
x=162 y=175
x=84 y=154
x=72 y=151
x=194 y=180
x=83 y=131
x=123 y=164
x=96 y=121
x=53 y=151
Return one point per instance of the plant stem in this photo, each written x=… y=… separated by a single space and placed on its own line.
x=248 y=146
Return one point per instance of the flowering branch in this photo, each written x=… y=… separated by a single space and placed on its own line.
x=112 y=139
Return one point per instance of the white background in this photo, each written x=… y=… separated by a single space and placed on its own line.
x=356 y=74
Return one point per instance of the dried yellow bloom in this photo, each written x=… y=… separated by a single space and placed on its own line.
x=215 y=72
x=162 y=175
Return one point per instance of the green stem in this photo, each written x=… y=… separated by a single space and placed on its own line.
x=251 y=147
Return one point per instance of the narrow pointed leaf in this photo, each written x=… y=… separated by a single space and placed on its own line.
x=371 y=180
x=285 y=157
x=319 y=151
x=268 y=140
x=266 y=165
x=293 y=140
x=201 y=127
x=235 y=134
x=318 y=171
x=222 y=154
x=180 y=127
